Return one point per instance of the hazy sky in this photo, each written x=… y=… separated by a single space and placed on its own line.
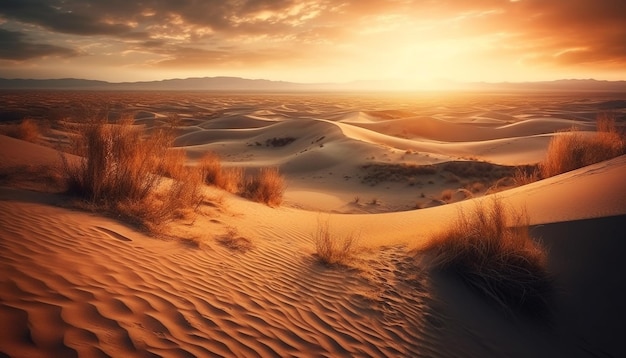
x=314 y=41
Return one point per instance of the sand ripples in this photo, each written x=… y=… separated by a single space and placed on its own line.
x=75 y=285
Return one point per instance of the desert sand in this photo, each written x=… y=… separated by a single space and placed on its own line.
x=78 y=283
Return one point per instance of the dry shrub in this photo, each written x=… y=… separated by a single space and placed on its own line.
x=211 y=167
x=446 y=195
x=268 y=187
x=27 y=130
x=605 y=123
x=118 y=173
x=334 y=250
x=526 y=175
x=475 y=187
x=572 y=150
x=235 y=242
x=172 y=165
x=492 y=251
x=231 y=179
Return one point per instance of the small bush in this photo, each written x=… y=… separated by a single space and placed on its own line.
x=492 y=251
x=475 y=187
x=231 y=179
x=446 y=195
x=211 y=167
x=172 y=165
x=119 y=169
x=605 y=123
x=27 y=130
x=334 y=250
x=526 y=175
x=268 y=187
x=572 y=150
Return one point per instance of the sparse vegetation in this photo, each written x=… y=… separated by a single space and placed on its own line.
x=235 y=242
x=475 y=187
x=211 y=167
x=119 y=173
x=492 y=251
x=27 y=130
x=172 y=164
x=267 y=187
x=573 y=149
x=334 y=250
x=526 y=175
x=452 y=171
x=476 y=169
x=377 y=173
x=279 y=142
x=446 y=195
x=229 y=179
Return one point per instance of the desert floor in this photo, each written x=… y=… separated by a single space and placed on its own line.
x=78 y=283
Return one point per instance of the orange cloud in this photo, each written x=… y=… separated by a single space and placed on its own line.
x=393 y=36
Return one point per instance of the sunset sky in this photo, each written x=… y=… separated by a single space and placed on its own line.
x=314 y=40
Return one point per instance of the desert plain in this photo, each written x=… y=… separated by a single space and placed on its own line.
x=241 y=278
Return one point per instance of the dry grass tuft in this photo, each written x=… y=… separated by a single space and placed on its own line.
x=235 y=242
x=268 y=187
x=334 y=250
x=172 y=165
x=229 y=179
x=446 y=195
x=211 y=167
x=573 y=149
x=526 y=175
x=119 y=173
x=492 y=251
x=27 y=130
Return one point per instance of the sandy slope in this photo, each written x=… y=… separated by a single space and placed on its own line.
x=78 y=284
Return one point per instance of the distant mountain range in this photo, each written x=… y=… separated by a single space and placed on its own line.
x=243 y=84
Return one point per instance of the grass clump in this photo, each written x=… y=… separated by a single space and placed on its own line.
x=235 y=242
x=267 y=186
x=334 y=250
x=27 y=130
x=525 y=175
x=120 y=172
x=573 y=149
x=491 y=249
x=211 y=167
x=229 y=179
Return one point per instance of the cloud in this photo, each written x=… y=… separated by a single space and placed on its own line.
x=70 y=17
x=573 y=33
x=15 y=46
x=568 y=33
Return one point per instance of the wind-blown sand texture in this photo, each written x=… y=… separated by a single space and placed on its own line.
x=80 y=284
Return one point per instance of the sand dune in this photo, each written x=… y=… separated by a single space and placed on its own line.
x=80 y=284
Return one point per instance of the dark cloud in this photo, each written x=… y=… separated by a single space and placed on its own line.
x=70 y=17
x=15 y=46
x=573 y=32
